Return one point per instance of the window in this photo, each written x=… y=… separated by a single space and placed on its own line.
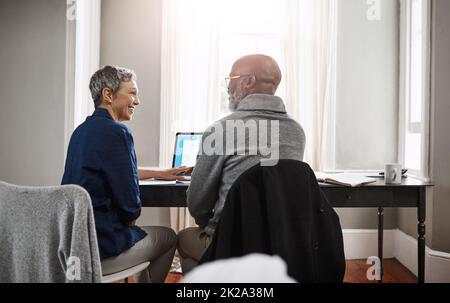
x=218 y=33
x=202 y=38
x=414 y=97
x=245 y=35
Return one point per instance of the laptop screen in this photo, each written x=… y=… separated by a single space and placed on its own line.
x=186 y=149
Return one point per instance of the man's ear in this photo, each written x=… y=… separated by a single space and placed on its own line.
x=251 y=81
x=107 y=95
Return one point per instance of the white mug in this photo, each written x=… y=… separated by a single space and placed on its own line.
x=393 y=174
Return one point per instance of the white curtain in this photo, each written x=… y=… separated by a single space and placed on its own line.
x=310 y=56
x=189 y=52
x=82 y=60
x=200 y=41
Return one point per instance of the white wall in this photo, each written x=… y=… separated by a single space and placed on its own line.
x=367 y=86
x=32 y=60
x=131 y=37
x=440 y=140
x=438 y=197
x=367 y=97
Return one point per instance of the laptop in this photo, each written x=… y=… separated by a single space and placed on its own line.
x=186 y=150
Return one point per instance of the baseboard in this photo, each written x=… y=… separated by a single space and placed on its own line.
x=361 y=244
x=437 y=264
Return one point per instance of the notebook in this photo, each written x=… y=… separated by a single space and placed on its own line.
x=345 y=179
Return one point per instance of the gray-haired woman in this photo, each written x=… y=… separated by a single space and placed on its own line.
x=101 y=158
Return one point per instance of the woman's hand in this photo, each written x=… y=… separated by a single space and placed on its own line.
x=168 y=174
x=173 y=173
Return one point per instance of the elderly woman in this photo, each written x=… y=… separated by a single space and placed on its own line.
x=101 y=158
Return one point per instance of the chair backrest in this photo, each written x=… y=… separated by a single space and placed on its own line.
x=280 y=210
x=47 y=234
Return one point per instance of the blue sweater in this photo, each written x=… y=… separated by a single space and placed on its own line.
x=101 y=158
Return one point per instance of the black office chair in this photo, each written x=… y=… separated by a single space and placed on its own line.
x=280 y=210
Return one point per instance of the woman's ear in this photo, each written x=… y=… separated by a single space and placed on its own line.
x=107 y=95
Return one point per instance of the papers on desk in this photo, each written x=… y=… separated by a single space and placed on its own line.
x=344 y=179
x=184 y=182
x=162 y=182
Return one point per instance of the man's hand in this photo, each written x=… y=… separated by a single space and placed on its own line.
x=132 y=223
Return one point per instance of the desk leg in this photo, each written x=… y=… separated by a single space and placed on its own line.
x=380 y=240
x=421 y=215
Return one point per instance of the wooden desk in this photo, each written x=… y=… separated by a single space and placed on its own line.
x=411 y=193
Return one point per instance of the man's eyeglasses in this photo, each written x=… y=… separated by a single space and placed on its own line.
x=228 y=79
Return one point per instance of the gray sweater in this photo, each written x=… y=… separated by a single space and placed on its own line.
x=47 y=234
x=215 y=172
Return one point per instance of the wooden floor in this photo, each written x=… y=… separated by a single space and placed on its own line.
x=394 y=272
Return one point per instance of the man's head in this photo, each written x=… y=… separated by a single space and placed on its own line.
x=253 y=74
x=115 y=89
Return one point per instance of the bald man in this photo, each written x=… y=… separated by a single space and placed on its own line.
x=252 y=84
x=258 y=74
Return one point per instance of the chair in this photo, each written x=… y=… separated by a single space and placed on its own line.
x=280 y=210
x=47 y=234
x=123 y=275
